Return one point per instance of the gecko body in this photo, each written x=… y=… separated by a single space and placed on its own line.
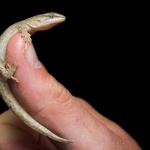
x=27 y=27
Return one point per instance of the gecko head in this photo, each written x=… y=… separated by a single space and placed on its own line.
x=45 y=21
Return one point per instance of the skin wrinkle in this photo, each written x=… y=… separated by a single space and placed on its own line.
x=64 y=97
x=99 y=117
x=93 y=114
x=51 y=123
x=113 y=127
x=83 y=104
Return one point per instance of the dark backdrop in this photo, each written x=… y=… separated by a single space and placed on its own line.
x=94 y=54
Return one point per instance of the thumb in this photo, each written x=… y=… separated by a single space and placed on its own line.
x=37 y=91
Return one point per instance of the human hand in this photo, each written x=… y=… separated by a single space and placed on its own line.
x=52 y=105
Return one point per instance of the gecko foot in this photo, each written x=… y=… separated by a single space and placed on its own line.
x=10 y=70
x=24 y=34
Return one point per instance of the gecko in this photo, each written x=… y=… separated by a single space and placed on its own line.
x=27 y=27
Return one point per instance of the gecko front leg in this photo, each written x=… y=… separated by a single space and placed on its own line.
x=24 y=33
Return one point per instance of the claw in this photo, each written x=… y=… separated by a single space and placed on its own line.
x=15 y=79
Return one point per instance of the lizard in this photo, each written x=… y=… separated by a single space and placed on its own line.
x=27 y=27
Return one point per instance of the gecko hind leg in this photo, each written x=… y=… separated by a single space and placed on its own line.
x=9 y=72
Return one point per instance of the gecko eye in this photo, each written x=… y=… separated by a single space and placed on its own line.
x=51 y=15
x=55 y=15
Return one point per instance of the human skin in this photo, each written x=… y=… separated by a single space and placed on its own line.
x=51 y=104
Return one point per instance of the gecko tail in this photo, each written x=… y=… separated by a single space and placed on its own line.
x=59 y=139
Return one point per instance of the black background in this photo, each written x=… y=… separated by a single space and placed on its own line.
x=95 y=54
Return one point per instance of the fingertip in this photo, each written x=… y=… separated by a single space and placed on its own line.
x=34 y=81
